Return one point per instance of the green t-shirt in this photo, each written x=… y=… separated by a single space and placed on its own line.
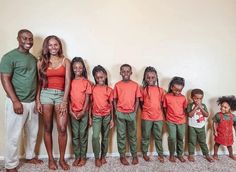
x=216 y=118
x=24 y=73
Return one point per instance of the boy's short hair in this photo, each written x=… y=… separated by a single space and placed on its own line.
x=125 y=65
x=196 y=91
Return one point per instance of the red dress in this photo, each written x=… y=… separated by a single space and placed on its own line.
x=225 y=131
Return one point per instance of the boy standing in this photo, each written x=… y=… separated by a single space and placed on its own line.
x=197 y=112
x=126 y=102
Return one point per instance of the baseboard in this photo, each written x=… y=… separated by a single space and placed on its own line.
x=116 y=154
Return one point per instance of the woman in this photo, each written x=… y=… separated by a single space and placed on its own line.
x=52 y=96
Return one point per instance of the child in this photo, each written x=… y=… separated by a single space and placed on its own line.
x=126 y=101
x=175 y=105
x=102 y=113
x=152 y=115
x=197 y=112
x=224 y=121
x=79 y=100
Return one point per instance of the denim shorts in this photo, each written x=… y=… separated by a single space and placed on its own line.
x=51 y=96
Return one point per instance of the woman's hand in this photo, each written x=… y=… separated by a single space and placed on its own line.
x=63 y=108
x=39 y=107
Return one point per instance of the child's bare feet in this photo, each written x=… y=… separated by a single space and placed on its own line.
x=103 y=160
x=146 y=158
x=172 y=158
x=191 y=158
x=52 y=165
x=64 y=165
x=215 y=157
x=82 y=162
x=123 y=160
x=181 y=158
x=135 y=160
x=76 y=162
x=161 y=158
x=232 y=157
x=98 y=162
x=34 y=161
x=209 y=159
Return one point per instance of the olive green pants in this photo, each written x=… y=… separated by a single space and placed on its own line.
x=100 y=125
x=194 y=135
x=80 y=136
x=175 y=138
x=126 y=121
x=156 y=128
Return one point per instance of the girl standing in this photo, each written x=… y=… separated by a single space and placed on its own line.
x=224 y=121
x=79 y=101
x=102 y=114
x=175 y=105
x=152 y=115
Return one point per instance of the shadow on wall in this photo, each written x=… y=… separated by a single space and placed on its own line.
x=37 y=47
x=209 y=128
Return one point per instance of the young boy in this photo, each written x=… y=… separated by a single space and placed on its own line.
x=197 y=115
x=126 y=102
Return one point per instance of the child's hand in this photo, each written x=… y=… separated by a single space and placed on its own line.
x=79 y=115
x=73 y=114
x=215 y=133
x=191 y=115
x=90 y=122
x=112 y=124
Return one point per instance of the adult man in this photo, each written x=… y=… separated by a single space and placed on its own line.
x=19 y=80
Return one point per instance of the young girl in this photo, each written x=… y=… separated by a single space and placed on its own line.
x=102 y=114
x=152 y=115
x=52 y=95
x=79 y=100
x=175 y=105
x=224 y=121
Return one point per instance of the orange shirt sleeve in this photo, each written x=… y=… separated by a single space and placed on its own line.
x=185 y=103
x=164 y=101
x=138 y=92
x=142 y=94
x=88 y=88
x=111 y=96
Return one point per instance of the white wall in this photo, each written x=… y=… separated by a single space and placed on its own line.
x=194 y=39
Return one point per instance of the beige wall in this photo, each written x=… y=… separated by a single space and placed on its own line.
x=194 y=39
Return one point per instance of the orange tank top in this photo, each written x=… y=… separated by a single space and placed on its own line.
x=56 y=77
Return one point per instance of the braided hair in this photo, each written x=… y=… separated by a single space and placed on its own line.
x=78 y=60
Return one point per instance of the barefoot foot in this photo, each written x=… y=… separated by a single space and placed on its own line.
x=52 y=165
x=123 y=160
x=191 y=158
x=172 y=158
x=161 y=158
x=98 y=163
x=64 y=165
x=103 y=160
x=146 y=158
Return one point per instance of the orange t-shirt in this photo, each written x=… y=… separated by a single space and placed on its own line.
x=152 y=98
x=175 y=106
x=56 y=78
x=126 y=94
x=79 y=88
x=102 y=96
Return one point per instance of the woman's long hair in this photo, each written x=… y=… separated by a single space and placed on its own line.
x=45 y=59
